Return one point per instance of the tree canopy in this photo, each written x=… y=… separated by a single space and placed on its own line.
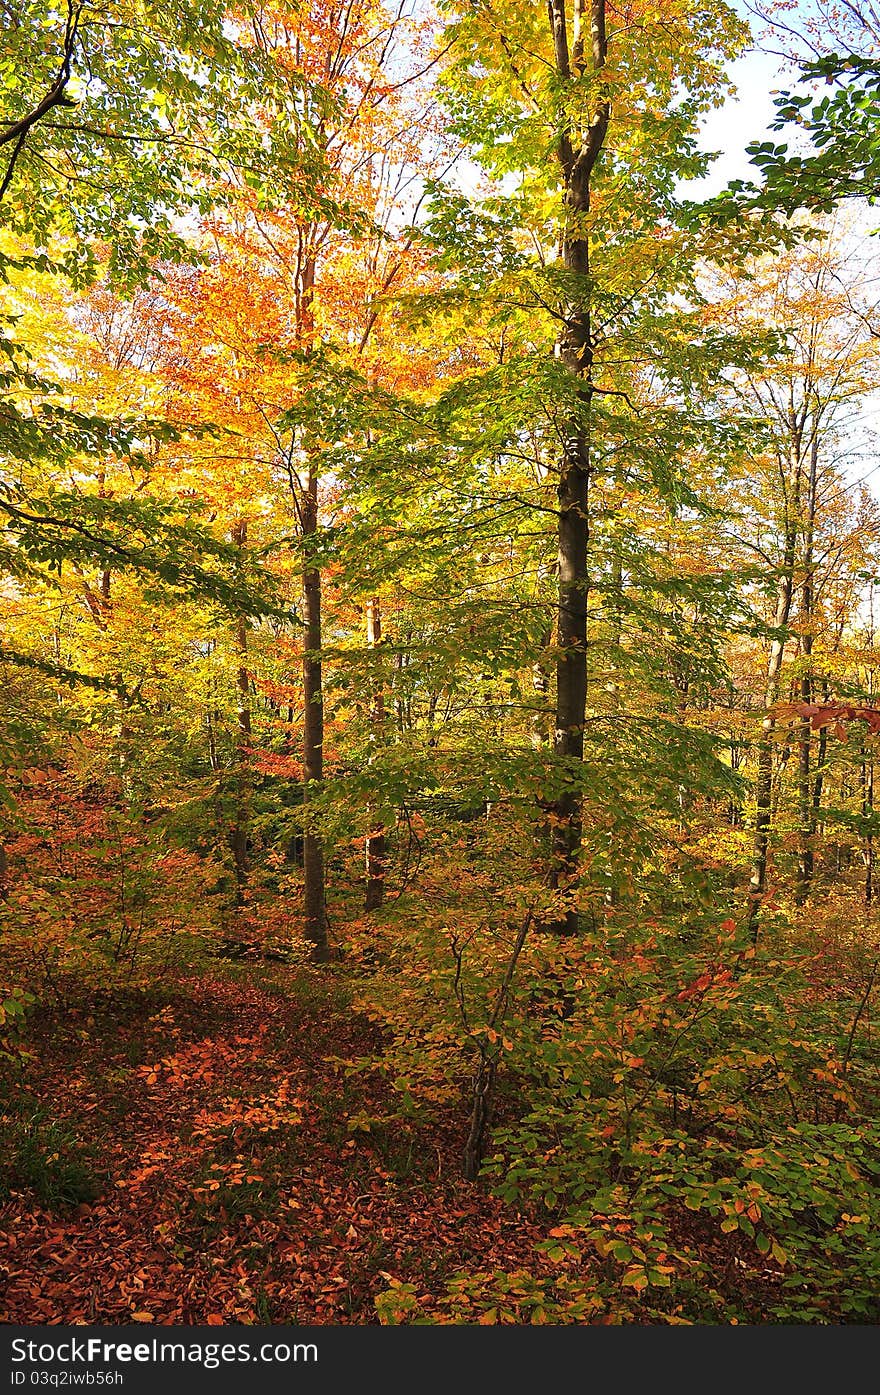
x=439 y=567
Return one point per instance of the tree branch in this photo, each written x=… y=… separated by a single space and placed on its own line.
x=56 y=95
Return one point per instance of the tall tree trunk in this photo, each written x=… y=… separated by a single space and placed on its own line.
x=210 y=724
x=212 y=718
x=764 y=781
x=577 y=153
x=313 y=730
x=238 y=832
x=375 y=843
x=306 y=501
x=784 y=596
x=540 y=734
x=819 y=773
x=806 y=812
x=867 y=781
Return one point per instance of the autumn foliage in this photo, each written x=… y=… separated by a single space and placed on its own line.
x=440 y=673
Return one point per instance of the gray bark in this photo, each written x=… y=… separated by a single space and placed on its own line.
x=577 y=153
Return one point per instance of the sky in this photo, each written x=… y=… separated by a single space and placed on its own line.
x=743 y=119
x=729 y=130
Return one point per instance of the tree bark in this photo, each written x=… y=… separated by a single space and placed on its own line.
x=868 y=784
x=806 y=809
x=375 y=851
x=764 y=782
x=313 y=732
x=238 y=832
x=306 y=502
x=782 y=615
x=577 y=152
x=867 y=781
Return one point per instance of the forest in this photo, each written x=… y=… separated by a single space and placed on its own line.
x=441 y=652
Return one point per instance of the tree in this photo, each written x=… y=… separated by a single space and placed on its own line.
x=578 y=149
x=262 y=303
x=119 y=120
x=802 y=400
x=165 y=111
x=834 y=46
x=595 y=104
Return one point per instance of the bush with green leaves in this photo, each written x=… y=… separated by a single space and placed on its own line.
x=695 y=1119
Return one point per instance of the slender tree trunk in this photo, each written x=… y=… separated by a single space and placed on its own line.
x=867 y=783
x=869 y=841
x=764 y=781
x=210 y=719
x=313 y=732
x=238 y=833
x=486 y=1072
x=806 y=817
x=577 y=152
x=819 y=775
x=106 y=574
x=539 y=734
x=402 y=701
x=375 y=843
x=791 y=472
x=806 y=814
x=306 y=497
x=819 y=767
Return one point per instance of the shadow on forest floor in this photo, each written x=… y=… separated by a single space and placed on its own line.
x=198 y=1156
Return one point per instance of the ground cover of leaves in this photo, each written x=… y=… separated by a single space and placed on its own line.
x=197 y=1157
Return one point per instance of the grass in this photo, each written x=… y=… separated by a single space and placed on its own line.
x=48 y=1160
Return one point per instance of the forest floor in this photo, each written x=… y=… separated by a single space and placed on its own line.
x=200 y=1156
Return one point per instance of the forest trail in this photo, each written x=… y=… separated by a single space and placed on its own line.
x=224 y=1170
x=440 y=651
